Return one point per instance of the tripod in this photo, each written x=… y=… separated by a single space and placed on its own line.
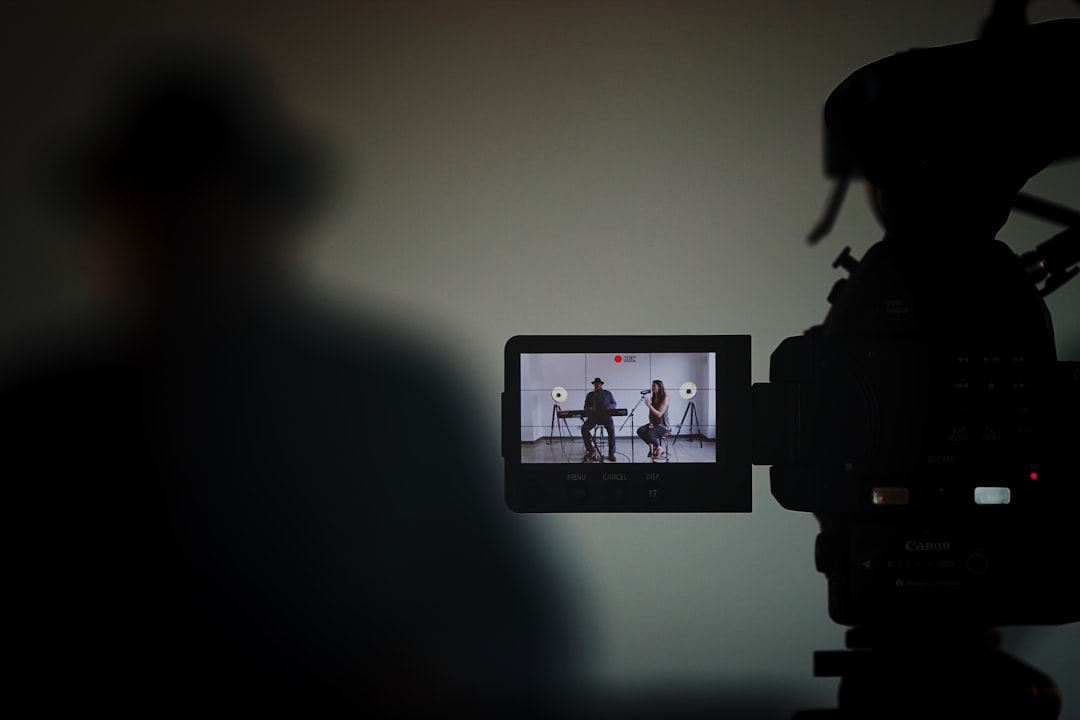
x=930 y=672
x=554 y=421
x=691 y=410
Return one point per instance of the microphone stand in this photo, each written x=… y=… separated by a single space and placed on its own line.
x=631 y=417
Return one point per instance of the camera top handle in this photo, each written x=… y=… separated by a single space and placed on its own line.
x=946 y=137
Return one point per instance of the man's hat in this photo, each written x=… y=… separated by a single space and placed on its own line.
x=597 y=380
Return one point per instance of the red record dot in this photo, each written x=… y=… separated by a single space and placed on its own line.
x=618 y=358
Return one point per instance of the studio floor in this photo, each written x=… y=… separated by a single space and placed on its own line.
x=628 y=449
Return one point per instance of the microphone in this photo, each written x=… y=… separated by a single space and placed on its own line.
x=646 y=392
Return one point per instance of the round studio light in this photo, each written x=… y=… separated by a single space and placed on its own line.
x=688 y=390
x=558 y=394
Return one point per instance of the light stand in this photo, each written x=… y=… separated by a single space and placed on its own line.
x=687 y=391
x=559 y=395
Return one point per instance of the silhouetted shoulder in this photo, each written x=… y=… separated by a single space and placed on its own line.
x=286 y=514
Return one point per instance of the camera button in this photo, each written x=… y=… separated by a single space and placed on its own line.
x=615 y=491
x=576 y=491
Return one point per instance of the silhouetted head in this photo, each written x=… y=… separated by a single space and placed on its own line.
x=195 y=178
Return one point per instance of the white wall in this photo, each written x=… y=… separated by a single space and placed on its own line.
x=540 y=373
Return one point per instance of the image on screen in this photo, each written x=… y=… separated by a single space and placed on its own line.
x=567 y=417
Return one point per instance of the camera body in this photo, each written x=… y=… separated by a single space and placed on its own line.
x=930 y=428
x=942 y=475
x=927 y=422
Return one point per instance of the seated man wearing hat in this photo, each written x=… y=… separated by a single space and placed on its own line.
x=598 y=400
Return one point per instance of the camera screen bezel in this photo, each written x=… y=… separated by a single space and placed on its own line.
x=720 y=486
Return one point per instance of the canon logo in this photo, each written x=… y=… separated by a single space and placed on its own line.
x=917 y=546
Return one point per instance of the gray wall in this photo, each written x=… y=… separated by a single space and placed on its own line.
x=498 y=157
x=540 y=373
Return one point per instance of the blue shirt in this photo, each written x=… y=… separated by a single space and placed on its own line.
x=607 y=400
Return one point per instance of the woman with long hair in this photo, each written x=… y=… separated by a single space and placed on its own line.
x=658 y=425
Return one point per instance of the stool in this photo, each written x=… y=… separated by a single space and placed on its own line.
x=666 y=441
x=600 y=442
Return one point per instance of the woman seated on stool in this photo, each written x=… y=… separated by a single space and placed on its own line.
x=657 y=426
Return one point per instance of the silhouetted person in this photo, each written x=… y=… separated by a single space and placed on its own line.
x=202 y=519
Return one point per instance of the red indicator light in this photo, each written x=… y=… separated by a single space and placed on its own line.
x=1034 y=476
x=618 y=358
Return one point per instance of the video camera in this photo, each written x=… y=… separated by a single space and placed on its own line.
x=926 y=422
